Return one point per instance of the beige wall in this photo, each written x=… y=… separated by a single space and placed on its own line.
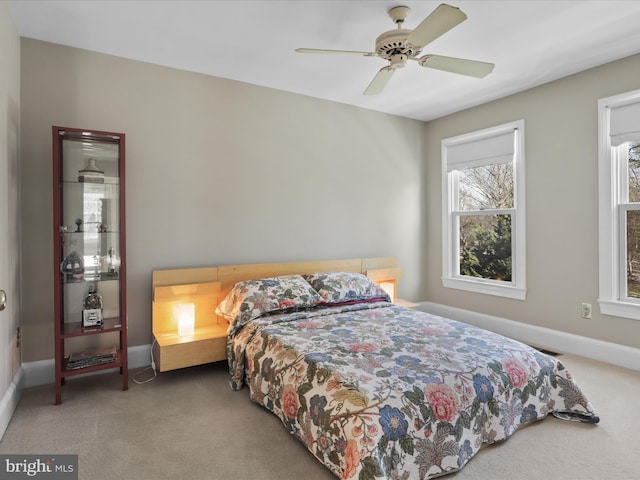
x=218 y=172
x=562 y=202
x=9 y=226
x=223 y=172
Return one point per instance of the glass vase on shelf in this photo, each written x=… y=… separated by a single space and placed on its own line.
x=110 y=263
x=72 y=267
x=91 y=173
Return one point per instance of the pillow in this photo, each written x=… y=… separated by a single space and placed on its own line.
x=253 y=298
x=341 y=287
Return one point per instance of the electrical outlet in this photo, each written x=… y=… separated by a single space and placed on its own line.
x=586 y=310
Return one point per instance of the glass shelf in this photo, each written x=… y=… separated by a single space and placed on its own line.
x=92 y=279
x=82 y=232
x=107 y=181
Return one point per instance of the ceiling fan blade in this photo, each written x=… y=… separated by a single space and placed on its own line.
x=340 y=52
x=380 y=81
x=439 y=22
x=471 y=68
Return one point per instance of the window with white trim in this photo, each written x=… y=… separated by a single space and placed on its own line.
x=483 y=244
x=619 y=197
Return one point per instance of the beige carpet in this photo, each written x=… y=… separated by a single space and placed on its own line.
x=188 y=424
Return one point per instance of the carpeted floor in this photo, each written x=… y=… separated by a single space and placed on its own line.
x=188 y=424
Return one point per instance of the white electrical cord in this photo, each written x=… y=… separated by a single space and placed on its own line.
x=152 y=367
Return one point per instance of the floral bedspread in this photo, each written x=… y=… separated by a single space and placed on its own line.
x=376 y=390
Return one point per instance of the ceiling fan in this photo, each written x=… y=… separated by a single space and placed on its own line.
x=398 y=46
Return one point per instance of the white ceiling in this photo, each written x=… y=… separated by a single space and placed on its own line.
x=531 y=42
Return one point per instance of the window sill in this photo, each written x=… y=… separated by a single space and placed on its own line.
x=618 y=308
x=486 y=288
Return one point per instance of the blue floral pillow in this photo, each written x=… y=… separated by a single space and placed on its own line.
x=253 y=298
x=342 y=287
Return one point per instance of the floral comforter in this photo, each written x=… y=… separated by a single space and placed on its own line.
x=376 y=390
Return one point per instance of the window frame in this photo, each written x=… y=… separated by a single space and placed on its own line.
x=612 y=214
x=451 y=278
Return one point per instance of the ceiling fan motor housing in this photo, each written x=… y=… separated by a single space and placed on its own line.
x=394 y=42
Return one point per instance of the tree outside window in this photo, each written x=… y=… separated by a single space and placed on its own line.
x=633 y=220
x=485 y=238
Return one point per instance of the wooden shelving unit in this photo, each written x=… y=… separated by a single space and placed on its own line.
x=88 y=226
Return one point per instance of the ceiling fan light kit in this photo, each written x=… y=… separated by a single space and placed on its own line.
x=400 y=45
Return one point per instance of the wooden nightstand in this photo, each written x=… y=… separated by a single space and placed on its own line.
x=207 y=344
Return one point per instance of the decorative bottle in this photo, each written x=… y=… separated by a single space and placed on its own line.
x=92 y=308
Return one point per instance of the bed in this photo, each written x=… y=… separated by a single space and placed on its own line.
x=377 y=390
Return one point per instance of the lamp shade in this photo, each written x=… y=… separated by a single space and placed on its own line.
x=186 y=313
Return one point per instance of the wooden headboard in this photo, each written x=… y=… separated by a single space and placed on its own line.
x=378 y=268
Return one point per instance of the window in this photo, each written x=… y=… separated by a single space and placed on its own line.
x=619 y=176
x=483 y=211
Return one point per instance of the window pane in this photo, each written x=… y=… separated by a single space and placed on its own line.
x=634 y=172
x=633 y=253
x=486 y=187
x=485 y=246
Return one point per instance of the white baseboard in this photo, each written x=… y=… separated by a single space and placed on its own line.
x=10 y=399
x=42 y=372
x=547 y=338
